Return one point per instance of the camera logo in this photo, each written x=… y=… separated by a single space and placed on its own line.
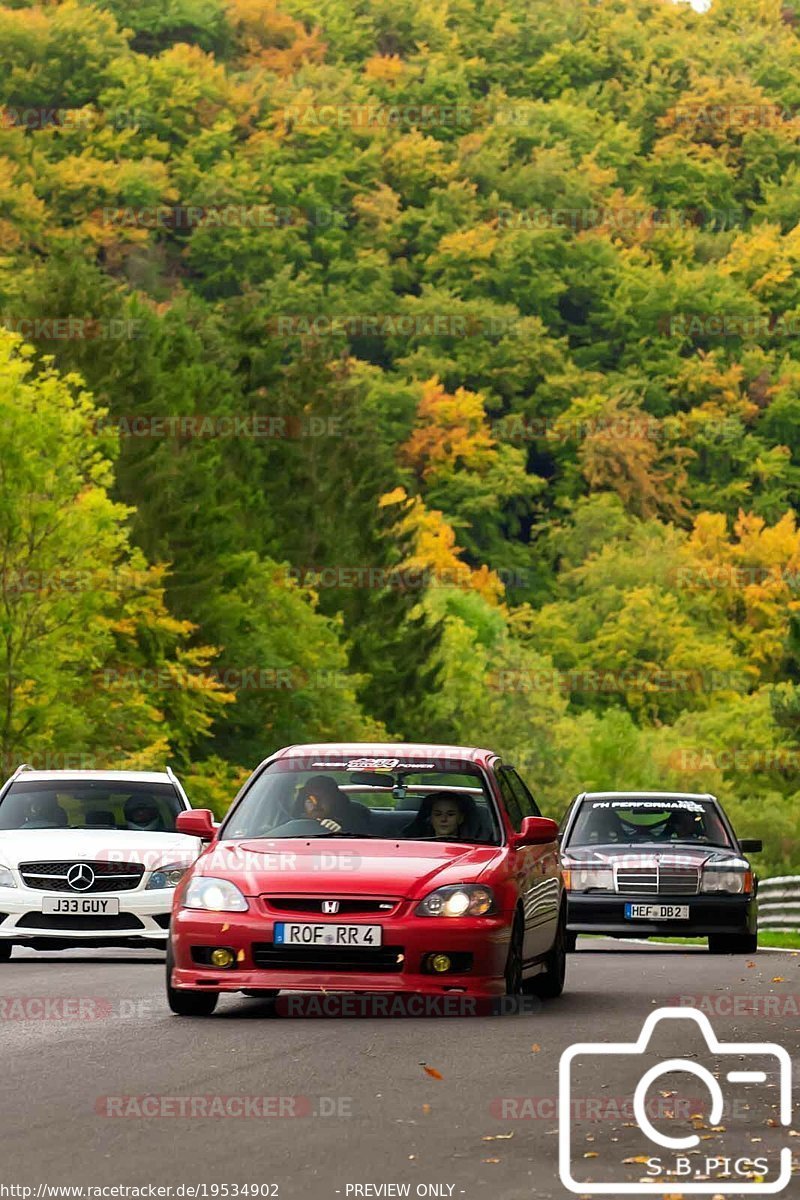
x=756 y=1072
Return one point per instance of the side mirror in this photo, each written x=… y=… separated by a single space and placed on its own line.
x=751 y=845
x=536 y=831
x=197 y=822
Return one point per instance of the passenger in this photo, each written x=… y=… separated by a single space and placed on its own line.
x=445 y=815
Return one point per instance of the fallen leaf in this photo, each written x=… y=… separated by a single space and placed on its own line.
x=591 y=1154
x=434 y=1074
x=497 y=1137
x=640 y=1158
x=778 y=979
x=490 y=1160
x=535 y=1048
x=426 y=1108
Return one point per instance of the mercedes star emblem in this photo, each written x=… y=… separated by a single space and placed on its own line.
x=80 y=877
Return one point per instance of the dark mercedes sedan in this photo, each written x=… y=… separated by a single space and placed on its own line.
x=647 y=864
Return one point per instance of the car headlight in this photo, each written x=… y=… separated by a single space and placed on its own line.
x=6 y=878
x=216 y=895
x=589 y=879
x=461 y=900
x=166 y=877
x=727 y=880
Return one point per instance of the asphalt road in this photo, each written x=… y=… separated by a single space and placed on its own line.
x=367 y=1112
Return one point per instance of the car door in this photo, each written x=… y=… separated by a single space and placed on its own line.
x=549 y=880
x=526 y=866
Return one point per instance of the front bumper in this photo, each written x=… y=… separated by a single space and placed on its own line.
x=143 y=917
x=605 y=913
x=406 y=939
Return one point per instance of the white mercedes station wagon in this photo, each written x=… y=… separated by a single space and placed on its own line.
x=90 y=858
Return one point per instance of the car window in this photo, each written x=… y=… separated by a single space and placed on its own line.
x=90 y=804
x=527 y=804
x=510 y=800
x=659 y=821
x=435 y=799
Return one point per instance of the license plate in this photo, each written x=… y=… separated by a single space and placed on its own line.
x=657 y=912
x=84 y=906
x=289 y=933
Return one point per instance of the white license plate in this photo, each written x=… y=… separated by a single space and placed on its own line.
x=657 y=912
x=290 y=933
x=83 y=906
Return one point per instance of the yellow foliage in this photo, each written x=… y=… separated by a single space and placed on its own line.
x=435 y=550
x=478 y=242
x=450 y=429
x=385 y=67
x=757 y=575
x=721 y=112
x=378 y=209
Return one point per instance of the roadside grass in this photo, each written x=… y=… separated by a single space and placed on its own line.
x=788 y=940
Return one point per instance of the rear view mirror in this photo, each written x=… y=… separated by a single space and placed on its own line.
x=751 y=845
x=372 y=779
x=536 y=831
x=198 y=822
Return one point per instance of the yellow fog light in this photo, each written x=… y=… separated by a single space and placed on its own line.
x=222 y=958
x=440 y=963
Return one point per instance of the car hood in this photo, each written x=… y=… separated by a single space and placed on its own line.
x=99 y=845
x=684 y=854
x=347 y=866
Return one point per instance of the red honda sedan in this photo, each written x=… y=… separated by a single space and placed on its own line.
x=355 y=868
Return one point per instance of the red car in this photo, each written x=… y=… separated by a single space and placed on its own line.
x=371 y=868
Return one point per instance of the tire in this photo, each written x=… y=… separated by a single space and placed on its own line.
x=733 y=943
x=188 y=1003
x=550 y=985
x=572 y=942
x=5 y=951
x=513 y=972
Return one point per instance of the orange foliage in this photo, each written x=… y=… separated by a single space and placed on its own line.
x=623 y=456
x=450 y=430
x=270 y=38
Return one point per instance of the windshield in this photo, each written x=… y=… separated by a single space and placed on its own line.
x=661 y=822
x=424 y=800
x=95 y=804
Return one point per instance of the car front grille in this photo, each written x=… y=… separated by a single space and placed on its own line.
x=90 y=923
x=348 y=905
x=658 y=880
x=108 y=876
x=385 y=960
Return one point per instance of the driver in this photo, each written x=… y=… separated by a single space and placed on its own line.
x=683 y=826
x=321 y=800
x=45 y=810
x=142 y=814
